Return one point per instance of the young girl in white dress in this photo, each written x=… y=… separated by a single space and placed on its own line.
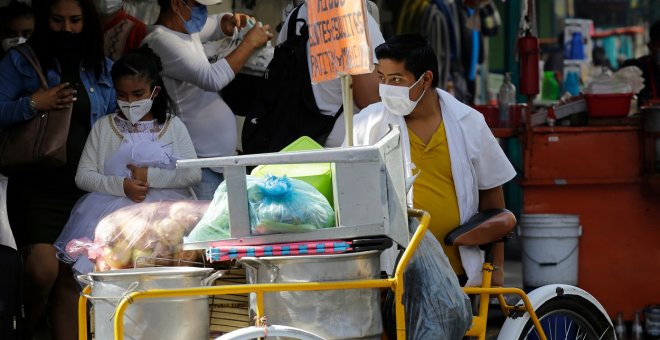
x=130 y=156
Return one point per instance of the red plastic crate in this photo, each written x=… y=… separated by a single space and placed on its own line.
x=608 y=105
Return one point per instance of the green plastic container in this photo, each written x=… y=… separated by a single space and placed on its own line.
x=318 y=175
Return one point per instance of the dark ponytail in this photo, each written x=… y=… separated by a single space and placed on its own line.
x=144 y=63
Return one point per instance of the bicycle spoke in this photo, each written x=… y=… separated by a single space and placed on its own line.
x=571 y=324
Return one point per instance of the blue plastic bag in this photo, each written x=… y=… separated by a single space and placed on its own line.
x=275 y=205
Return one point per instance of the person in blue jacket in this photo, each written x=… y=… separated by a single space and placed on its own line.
x=68 y=43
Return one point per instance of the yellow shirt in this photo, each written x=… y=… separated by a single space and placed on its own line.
x=434 y=191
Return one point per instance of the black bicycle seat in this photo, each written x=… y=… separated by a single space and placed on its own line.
x=485 y=227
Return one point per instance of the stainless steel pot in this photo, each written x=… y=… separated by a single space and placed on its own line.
x=167 y=318
x=335 y=314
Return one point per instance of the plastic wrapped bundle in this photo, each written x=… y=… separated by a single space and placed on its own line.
x=147 y=230
x=275 y=205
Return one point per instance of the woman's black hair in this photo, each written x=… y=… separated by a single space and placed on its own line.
x=92 y=55
x=143 y=63
x=16 y=9
x=414 y=51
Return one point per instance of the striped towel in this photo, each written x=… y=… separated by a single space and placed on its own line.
x=230 y=252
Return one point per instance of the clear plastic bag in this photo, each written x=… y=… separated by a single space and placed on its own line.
x=214 y=225
x=275 y=205
x=435 y=305
x=608 y=83
x=147 y=230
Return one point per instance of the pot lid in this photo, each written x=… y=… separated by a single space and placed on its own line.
x=151 y=272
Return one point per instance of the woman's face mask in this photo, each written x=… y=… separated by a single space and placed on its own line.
x=397 y=98
x=12 y=42
x=198 y=15
x=108 y=7
x=134 y=111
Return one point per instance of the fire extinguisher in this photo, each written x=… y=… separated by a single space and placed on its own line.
x=528 y=53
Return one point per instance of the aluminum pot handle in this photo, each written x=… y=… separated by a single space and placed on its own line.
x=84 y=279
x=273 y=270
x=209 y=280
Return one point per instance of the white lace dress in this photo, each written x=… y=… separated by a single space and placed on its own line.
x=140 y=147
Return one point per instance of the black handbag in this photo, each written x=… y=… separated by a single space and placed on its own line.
x=39 y=141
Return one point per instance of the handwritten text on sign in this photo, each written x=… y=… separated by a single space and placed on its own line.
x=338 y=38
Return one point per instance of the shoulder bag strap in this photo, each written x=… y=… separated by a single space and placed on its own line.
x=293 y=20
x=29 y=55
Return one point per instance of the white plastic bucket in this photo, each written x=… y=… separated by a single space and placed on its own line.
x=549 y=245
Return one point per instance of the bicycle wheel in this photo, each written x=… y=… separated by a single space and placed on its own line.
x=254 y=332
x=571 y=318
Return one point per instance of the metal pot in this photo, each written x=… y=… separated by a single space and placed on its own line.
x=167 y=318
x=332 y=314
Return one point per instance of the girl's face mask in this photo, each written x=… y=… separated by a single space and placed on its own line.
x=397 y=98
x=134 y=111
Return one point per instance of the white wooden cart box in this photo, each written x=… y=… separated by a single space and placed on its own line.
x=369 y=192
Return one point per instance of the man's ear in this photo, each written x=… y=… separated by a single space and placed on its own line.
x=175 y=6
x=428 y=78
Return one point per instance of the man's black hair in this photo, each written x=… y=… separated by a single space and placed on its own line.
x=414 y=51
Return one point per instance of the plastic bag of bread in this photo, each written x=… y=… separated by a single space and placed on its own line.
x=152 y=231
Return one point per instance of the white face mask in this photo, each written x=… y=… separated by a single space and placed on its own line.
x=108 y=7
x=397 y=98
x=134 y=111
x=12 y=42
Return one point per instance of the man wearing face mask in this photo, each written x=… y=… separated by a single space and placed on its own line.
x=193 y=83
x=17 y=22
x=121 y=31
x=650 y=66
x=459 y=166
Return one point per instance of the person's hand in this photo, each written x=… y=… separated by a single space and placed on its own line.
x=135 y=189
x=55 y=98
x=138 y=172
x=258 y=35
x=231 y=21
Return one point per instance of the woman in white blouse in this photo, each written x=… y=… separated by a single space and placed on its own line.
x=193 y=82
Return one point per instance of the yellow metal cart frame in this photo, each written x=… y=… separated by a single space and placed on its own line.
x=395 y=283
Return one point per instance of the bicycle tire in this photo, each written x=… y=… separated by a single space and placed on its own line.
x=576 y=315
x=254 y=332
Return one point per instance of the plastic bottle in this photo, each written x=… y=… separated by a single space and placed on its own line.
x=505 y=98
x=577 y=48
x=572 y=83
x=620 y=327
x=637 y=331
x=550 y=86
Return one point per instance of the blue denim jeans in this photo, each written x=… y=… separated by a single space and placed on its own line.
x=210 y=182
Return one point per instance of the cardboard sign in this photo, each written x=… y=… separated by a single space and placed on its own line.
x=338 y=38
